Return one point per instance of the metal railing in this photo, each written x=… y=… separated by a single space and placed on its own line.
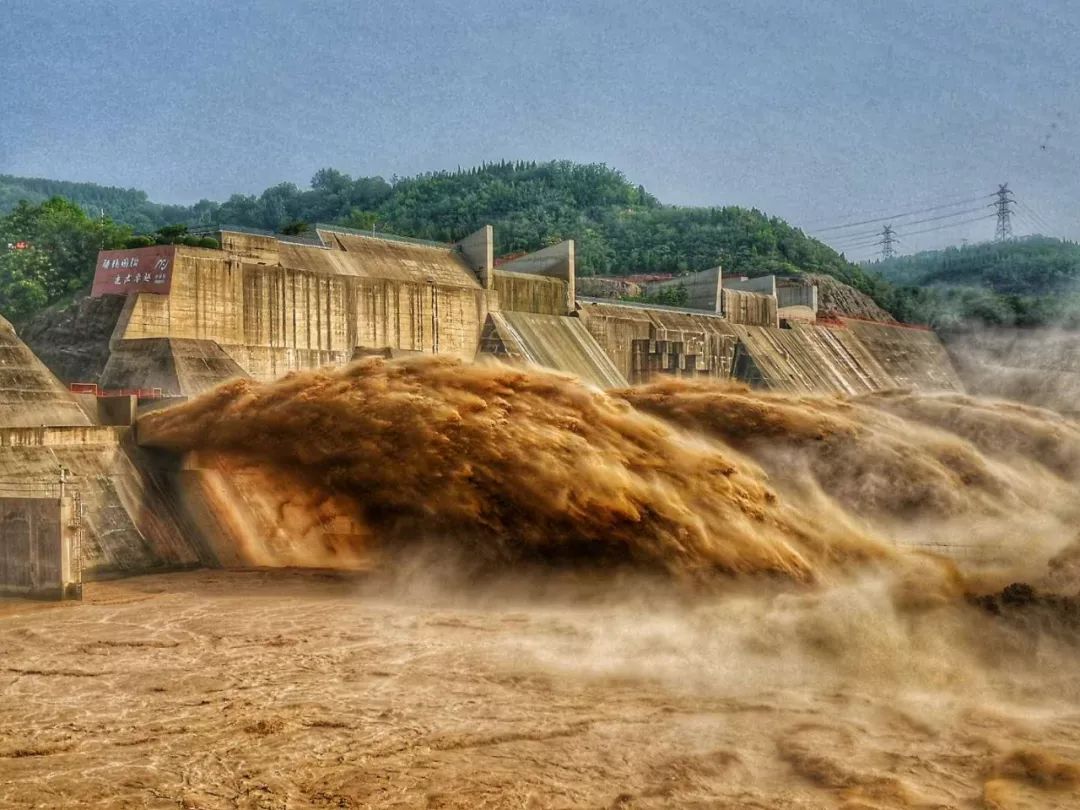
x=95 y=390
x=24 y=488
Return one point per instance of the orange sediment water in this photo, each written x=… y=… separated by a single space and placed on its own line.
x=832 y=662
x=512 y=464
x=692 y=479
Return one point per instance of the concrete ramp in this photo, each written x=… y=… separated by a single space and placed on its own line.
x=177 y=366
x=807 y=359
x=552 y=341
x=913 y=356
x=849 y=356
x=30 y=396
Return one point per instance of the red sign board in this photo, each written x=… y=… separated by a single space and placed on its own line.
x=147 y=269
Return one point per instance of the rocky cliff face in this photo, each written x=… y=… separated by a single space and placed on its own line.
x=838 y=299
x=73 y=341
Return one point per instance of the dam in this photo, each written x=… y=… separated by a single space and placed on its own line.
x=167 y=323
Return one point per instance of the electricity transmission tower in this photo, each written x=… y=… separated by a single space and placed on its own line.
x=1003 y=204
x=888 y=240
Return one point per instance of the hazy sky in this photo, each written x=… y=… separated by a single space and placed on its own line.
x=823 y=112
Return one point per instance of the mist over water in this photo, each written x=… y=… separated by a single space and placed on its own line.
x=798 y=551
x=515 y=465
x=694 y=480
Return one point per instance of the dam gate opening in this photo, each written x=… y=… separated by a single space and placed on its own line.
x=40 y=540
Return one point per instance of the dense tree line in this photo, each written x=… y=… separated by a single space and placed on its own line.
x=1025 y=282
x=48 y=252
x=619 y=229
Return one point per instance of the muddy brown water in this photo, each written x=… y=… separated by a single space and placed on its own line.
x=288 y=689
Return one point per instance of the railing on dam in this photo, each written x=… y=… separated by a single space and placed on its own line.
x=94 y=390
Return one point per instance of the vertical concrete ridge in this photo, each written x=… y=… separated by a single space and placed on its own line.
x=478 y=250
x=522 y=292
x=556 y=261
x=749 y=308
x=702 y=289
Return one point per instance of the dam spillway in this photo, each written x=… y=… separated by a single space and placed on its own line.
x=263 y=306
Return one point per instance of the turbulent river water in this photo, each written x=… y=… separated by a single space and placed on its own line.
x=683 y=594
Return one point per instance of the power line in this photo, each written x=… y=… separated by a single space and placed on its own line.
x=858 y=246
x=902 y=214
x=933 y=204
x=914 y=222
x=947 y=226
x=1035 y=217
x=1026 y=224
x=951 y=225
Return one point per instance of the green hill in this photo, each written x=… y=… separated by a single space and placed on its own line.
x=1025 y=282
x=619 y=227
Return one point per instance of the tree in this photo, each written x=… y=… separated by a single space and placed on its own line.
x=26 y=276
x=295 y=228
x=61 y=246
x=361 y=220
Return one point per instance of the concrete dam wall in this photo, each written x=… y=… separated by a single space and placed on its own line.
x=275 y=307
x=182 y=320
x=262 y=306
x=845 y=356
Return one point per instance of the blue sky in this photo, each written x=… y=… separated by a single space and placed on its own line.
x=821 y=112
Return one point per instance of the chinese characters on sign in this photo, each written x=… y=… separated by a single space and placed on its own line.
x=148 y=269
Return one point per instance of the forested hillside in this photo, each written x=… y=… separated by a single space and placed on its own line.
x=619 y=227
x=1026 y=282
x=126 y=206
